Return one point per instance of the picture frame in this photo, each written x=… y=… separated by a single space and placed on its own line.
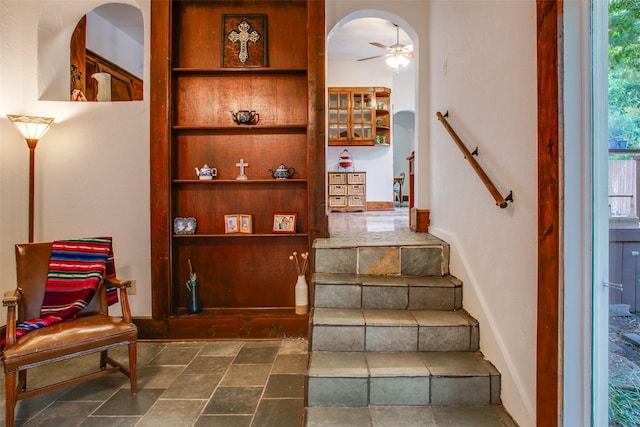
x=246 y=223
x=284 y=223
x=231 y=224
x=184 y=225
x=244 y=40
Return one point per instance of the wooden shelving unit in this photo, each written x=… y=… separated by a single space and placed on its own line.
x=359 y=116
x=246 y=281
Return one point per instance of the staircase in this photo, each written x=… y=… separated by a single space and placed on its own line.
x=390 y=343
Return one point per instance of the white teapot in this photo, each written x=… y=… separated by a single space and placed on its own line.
x=206 y=172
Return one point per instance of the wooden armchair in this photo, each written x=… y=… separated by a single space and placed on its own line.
x=93 y=330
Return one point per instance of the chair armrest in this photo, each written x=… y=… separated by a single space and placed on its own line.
x=11 y=300
x=118 y=283
x=122 y=286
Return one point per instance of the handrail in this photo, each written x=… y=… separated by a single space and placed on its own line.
x=500 y=201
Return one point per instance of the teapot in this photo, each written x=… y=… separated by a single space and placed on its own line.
x=282 y=172
x=206 y=172
x=245 y=117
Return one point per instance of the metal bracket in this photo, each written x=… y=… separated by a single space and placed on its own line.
x=509 y=198
x=617 y=286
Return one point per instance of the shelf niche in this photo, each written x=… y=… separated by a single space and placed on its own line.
x=246 y=281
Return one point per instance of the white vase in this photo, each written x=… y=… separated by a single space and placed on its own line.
x=104 y=86
x=302 y=295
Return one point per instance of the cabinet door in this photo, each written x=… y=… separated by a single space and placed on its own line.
x=339 y=103
x=363 y=116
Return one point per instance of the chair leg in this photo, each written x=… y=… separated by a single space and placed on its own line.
x=133 y=370
x=103 y=359
x=10 y=403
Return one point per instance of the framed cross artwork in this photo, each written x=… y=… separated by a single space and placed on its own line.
x=244 y=41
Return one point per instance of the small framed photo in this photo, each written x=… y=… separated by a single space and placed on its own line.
x=231 y=224
x=184 y=225
x=246 y=223
x=284 y=222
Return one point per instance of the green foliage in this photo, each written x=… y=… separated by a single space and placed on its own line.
x=624 y=399
x=624 y=72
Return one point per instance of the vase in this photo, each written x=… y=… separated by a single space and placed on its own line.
x=194 y=306
x=302 y=295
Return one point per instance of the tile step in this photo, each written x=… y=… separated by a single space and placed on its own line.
x=360 y=379
x=406 y=254
x=349 y=330
x=333 y=290
x=409 y=416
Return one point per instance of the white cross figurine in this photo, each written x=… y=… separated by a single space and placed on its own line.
x=242 y=165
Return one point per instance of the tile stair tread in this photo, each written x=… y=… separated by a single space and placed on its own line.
x=405 y=416
x=403 y=238
x=337 y=279
x=377 y=317
x=399 y=364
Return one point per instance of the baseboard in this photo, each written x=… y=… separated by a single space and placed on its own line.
x=379 y=206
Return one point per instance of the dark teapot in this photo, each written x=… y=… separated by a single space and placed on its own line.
x=245 y=117
x=283 y=172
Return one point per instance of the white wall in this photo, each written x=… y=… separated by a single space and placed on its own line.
x=92 y=167
x=489 y=88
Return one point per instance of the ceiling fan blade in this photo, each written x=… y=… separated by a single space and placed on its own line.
x=372 y=57
x=380 y=45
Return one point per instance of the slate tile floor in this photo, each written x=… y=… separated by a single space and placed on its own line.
x=220 y=383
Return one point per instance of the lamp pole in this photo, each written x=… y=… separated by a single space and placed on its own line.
x=32 y=169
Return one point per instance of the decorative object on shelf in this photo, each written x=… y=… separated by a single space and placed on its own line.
x=104 y=86
x=246 y=223
x=282 y=172
x=381 y=139
x=345 y=161
x=245 y=40
x=206 y=172
x=245 y=117
x=302 y=288
x=32 y=129
x=194 y=306
x=184 y=225
x=242 y=165
x=231 y=224
x=284 y=223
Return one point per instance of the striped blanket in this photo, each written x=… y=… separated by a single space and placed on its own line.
x=76 y=269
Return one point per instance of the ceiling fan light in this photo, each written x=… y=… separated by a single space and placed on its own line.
x=397 y=61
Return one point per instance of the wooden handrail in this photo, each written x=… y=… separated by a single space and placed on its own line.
x=500 y=201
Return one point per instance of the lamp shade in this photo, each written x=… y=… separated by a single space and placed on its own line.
x=31 y=127
x=398 y=60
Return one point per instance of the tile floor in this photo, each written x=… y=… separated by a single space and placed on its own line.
x=224 y=383
x=370 y=221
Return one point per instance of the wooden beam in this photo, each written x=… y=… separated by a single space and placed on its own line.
x=549 y=16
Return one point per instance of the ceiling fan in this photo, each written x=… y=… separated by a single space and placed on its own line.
x=397 y=55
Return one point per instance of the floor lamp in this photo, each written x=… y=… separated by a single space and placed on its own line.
x=32 y=129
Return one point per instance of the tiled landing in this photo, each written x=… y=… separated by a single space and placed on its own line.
x=222 y=383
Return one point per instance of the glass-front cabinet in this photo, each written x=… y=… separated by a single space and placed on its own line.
x=357 y=115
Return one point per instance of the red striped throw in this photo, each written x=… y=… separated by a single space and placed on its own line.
x=76 y=269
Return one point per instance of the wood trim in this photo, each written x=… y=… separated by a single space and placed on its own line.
x=379 y=206
x=548 y=396
x=159 y=145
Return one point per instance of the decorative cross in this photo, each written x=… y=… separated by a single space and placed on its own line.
x=244 y=37
x=242 y=165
